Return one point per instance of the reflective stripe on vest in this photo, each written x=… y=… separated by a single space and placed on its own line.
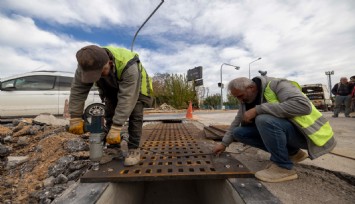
x=314 y=125
x=122 y=57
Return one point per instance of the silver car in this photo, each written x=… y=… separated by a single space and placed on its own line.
x=33 y=93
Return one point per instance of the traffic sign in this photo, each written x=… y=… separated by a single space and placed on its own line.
x=195 y=73
x=199 y=82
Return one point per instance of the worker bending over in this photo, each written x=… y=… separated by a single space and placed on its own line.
x=124 y=86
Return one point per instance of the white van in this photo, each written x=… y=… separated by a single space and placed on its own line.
x=319 y=95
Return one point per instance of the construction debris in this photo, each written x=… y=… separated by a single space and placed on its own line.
x=166 y=107
x=38 y=162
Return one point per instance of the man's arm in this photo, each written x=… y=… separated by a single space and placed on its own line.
x=128 y=93
x=335 y=90
x=228 y=138
x=351 y=87
x=78 y=94
x=292 y=102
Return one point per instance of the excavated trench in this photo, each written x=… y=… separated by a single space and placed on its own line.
x=162 y=192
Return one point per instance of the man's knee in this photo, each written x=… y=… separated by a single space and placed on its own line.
x=243 y=133
x=237 y=133
x=264 y=119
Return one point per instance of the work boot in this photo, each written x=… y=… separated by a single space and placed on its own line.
x=275 y=174
x=298 y=157
x=133 y=157
x=111 y=153
x=105 y=159
x=115 y=153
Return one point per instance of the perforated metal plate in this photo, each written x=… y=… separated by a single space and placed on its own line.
x=171 y=151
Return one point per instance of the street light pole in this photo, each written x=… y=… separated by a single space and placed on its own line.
x=252 y=62
x=135 y=35
x=329 y=73
x=236 y=67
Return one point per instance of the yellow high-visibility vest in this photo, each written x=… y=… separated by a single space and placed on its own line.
x=314 y=125
x=122 y=57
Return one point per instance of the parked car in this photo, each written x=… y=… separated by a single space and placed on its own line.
x=319 y=95
x=33 y=93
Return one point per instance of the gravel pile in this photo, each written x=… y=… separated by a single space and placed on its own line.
x=166 y=107
x=39 y=161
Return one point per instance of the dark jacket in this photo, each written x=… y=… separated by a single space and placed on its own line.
x=342 y=89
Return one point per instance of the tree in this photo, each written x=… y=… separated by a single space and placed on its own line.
x=158 y=88
x=173 y=89
x=212 y=101
x=232 y=102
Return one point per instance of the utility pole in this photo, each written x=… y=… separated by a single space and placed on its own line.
x=221 y=84
x=251 y=63
x=329 y=73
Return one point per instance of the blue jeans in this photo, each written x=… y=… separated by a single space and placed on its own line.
x=278 y=136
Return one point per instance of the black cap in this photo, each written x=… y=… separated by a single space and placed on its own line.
x=91 y=60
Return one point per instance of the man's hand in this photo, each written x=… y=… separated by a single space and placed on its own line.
x=76 y=126
x=114 y=135
x=218 y=149
x=249 y=115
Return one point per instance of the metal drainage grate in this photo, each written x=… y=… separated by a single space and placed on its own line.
x=171 y=151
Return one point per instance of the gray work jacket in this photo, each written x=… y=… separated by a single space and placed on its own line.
x=292 y=103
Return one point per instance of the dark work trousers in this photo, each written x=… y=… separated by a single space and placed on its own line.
x=134 y=124
x=339 y=100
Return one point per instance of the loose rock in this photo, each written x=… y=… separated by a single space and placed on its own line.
x=60 y=166
x=76 y=145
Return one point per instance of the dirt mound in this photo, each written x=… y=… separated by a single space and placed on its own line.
x=32 y=167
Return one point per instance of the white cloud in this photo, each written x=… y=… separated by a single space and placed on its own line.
x=299 y=40
x=93 y=13
x=21 y=32
x=25 y=47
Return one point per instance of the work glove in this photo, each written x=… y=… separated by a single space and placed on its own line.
x=114 y=135
x=76 y=126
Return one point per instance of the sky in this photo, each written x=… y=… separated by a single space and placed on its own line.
x=296 y=39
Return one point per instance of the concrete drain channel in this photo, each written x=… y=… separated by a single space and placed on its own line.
x=177 y=167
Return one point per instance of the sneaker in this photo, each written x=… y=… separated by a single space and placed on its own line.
x=348 y=116
x=133 y=157
x=298 y=157
x=334 y=116
x=275 y=174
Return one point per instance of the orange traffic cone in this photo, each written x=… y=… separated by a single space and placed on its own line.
x=189 y=111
